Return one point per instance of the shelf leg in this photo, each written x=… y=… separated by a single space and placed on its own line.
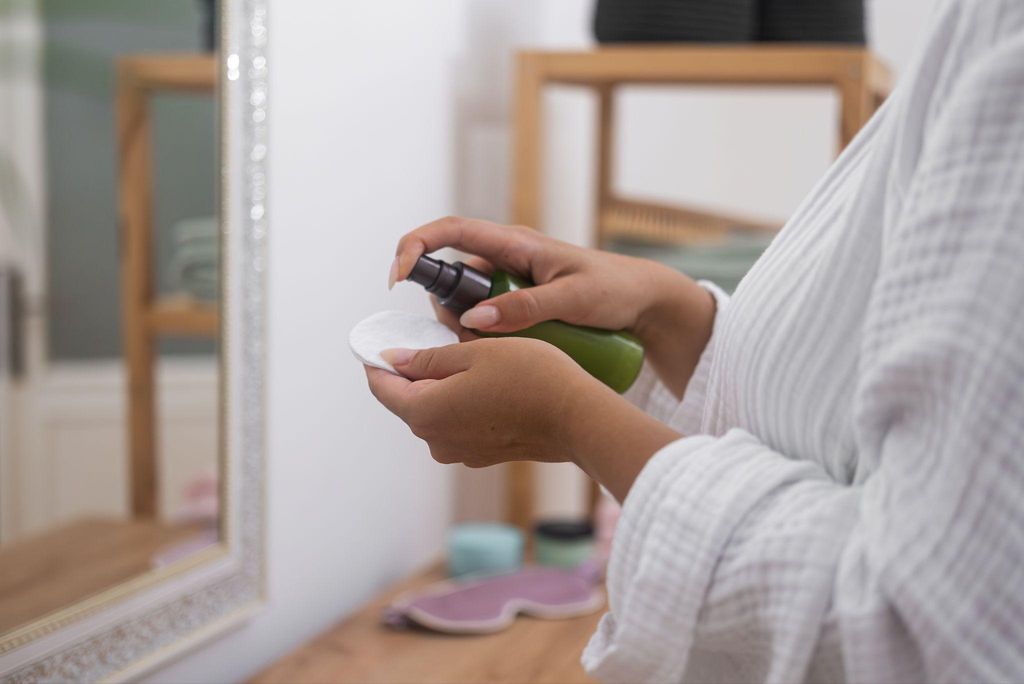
x=605 y=159
x=526 y=203
x=603 y=197
x=134 y=136
x=855 y=102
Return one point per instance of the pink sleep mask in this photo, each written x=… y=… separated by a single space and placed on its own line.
x=490 y=604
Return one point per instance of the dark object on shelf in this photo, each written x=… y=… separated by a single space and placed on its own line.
x=722 y=21
x=813 y=21
x=209 y=27
x=567 y=530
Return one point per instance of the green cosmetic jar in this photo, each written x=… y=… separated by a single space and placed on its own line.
x=563 y=543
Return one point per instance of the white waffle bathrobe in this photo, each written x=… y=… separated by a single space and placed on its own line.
x=848 y=502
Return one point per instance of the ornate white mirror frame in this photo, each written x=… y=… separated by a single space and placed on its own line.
x=132 y=628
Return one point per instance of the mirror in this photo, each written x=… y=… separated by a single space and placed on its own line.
x=111 y=408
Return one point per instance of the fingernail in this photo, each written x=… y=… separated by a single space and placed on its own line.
x=393 y=275
x=481 y=317
x=398 y=357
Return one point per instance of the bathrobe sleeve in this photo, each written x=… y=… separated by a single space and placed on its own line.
x=731 y=553
x=653 y=397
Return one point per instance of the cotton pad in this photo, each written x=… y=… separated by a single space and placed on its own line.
x=396 y=330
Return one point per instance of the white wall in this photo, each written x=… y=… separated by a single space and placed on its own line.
x=385 y=115
x=361 y=150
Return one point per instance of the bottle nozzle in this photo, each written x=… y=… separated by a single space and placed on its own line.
x=458 y=287
x=425 y=271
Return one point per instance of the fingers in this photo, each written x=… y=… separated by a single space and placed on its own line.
x=519 y=309
x=390 y=390
x=507 y=247
x=451 y=321
x=435 y=364
x=479 y=263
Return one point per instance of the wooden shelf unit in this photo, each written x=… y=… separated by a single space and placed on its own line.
x=145 y=316
x=183 y=317
x=664 y=223
x=860 y=78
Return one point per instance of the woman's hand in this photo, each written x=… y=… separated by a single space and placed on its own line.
x=668 y=312
x=486 y=401
x=494 y=400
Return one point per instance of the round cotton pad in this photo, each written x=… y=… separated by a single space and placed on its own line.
x=396 y=330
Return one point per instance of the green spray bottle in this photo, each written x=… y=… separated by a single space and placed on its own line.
x=613 y=357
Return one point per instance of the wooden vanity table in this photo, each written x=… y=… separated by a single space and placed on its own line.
x=361 y=649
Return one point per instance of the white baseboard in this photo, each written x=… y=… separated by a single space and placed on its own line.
x=71 y=459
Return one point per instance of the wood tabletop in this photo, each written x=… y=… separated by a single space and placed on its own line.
x=60 y=567
x=362 y=650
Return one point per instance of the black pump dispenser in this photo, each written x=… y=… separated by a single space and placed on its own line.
x=457 y=286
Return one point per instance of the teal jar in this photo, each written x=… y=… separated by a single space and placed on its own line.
x=484 y=548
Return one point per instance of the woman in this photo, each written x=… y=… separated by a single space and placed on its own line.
x=826 y=481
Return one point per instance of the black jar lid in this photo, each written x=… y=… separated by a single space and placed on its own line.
x=566 y=530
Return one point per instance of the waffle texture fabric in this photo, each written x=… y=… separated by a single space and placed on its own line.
x=848 y=503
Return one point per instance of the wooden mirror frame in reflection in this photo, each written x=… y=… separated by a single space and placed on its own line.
x=124 y=631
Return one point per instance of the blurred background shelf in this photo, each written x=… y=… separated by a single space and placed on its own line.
x=704 y=243
x=671 y=224
x=177 y=72
x=146 y=315
x=183 y=315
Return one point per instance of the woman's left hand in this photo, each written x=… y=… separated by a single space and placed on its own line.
x=486 y=401
x=493 y=400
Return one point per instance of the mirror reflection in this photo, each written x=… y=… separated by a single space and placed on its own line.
x=109 y=296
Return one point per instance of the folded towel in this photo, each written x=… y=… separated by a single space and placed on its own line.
x=723 y=263
x=195 y=266
x=202 y=228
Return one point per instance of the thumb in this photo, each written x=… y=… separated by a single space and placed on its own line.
x=422 y=364
x=520 y=309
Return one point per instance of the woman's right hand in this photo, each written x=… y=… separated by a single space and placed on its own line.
x=670 y=314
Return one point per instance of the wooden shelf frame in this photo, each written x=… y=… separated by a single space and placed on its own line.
x=146 y=317
x=183 y=317
x=860 y=78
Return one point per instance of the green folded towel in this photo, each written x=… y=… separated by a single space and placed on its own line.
x=195 y=265
x=723 y=263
